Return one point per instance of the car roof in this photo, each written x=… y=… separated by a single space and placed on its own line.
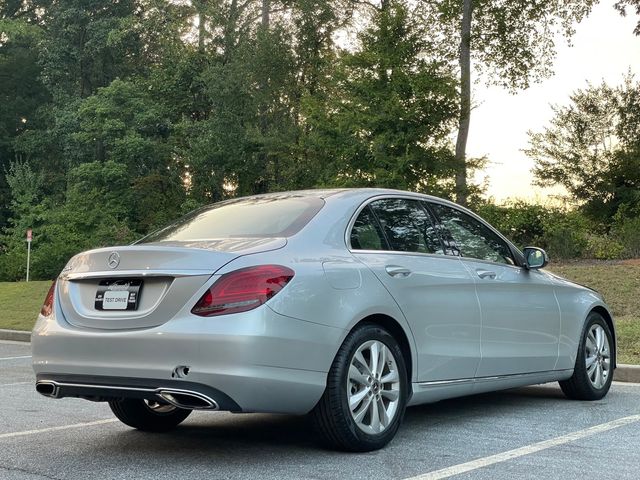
x=343 y=193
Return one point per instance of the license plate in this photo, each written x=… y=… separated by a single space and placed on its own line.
x=120 y=294
x=115 y=300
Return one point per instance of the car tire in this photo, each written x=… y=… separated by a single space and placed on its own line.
x=147 y=415
x=593 y=371
x=349 y=382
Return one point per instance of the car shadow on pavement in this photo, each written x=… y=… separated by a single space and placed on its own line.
x=227 y=433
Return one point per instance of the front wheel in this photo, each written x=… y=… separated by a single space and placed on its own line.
x=593 y=372
x=365 y=399
x=148 y=415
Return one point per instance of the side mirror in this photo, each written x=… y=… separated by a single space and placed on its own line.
x=535 y=258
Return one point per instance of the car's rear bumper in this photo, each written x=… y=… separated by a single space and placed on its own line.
x=257 y=361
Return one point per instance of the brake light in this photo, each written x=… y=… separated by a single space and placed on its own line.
x=243 y=290
x=47 y=306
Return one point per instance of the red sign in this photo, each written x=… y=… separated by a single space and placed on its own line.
x=29 y=234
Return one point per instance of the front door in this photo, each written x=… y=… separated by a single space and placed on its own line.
x=520 y=314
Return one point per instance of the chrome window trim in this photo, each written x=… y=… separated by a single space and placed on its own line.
x=409 y=254
x=428 y=198
x=369 y=201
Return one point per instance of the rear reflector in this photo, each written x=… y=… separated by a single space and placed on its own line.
x=47 y=306
x=243 y=290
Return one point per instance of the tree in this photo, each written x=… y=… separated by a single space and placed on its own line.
x=387 y=119
x=592 y=148
x=88 y=43
x=21 y=91
x=621 y=7
x=511 y=42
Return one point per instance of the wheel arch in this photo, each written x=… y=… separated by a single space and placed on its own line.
x=397 y=331
x=609 y=319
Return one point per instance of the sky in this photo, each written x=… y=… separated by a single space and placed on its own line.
x=603 y=48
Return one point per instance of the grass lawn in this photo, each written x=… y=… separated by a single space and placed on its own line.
x=20 y=303
x=619 y=282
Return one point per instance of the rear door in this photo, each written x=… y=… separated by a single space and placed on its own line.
x=397 y=239
x=520 y=314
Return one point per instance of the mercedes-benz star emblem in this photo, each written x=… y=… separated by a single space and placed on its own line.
x=114 y=260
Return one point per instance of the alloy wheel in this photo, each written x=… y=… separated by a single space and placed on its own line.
x=373 y=387
x=597 y=356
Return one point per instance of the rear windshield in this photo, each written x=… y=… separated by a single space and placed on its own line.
x=247 y=217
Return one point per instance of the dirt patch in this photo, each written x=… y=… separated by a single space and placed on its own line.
x=631 y=261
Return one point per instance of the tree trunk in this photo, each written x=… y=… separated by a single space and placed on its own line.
x=266 y=10
x=465 y=102
x=230 y=29
x=263 y=183
x=202 y=20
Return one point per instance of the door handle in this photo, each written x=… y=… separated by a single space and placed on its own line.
x=486 y=273
x=397 y=271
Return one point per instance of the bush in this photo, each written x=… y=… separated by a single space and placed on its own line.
x=565 y=234
x=561 y=232
x=604 y=247
x=521 y=222
x=627 y=233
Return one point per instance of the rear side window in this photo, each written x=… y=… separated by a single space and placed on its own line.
x=270 y=216
x=473 y=238
x=366 y=233
x=406 y=226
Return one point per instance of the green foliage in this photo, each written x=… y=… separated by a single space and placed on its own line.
x=626 y=229
x=21 y=90
x=604 y=247
x=118 y=117
x=523 y=223
x=563 y=233
x=512 y=42
x=386 y=118
x=88 y=43
x=592 y=148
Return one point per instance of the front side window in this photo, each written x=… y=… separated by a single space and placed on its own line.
x=473 y=238
x=406 y=226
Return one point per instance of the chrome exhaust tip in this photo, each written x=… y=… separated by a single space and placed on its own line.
x=187 y=399
x=48 y=389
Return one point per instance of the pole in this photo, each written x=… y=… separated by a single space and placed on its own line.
x=28 y=258
x=29 y=236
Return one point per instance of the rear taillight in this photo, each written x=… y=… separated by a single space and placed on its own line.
x=47 y=306
x=243 y=290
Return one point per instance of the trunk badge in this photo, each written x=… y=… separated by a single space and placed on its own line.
x=114 y=260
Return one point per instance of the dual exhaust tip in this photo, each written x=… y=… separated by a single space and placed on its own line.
x=178 y=398
x=187 y=399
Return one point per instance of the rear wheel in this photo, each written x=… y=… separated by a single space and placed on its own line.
x=148 y=415
x=365 y=399
x=593 y=372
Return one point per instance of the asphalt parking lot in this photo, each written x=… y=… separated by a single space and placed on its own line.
x=526 y=433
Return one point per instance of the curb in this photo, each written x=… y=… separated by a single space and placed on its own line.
x=627 y=373
x=623 y=373
x=15 y=335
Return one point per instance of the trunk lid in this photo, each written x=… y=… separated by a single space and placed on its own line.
x=163 y=278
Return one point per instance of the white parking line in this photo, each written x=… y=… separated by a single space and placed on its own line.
x=55 y=429
x=16 y=383
x=15 y=358
x=529 y=449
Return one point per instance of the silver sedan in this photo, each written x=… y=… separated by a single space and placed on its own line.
x=348 y=304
